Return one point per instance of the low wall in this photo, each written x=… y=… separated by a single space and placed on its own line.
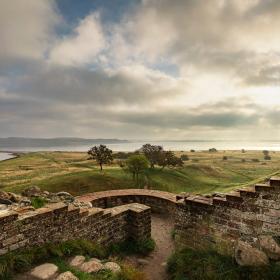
x=58 y=222
x=249 y=215
x=160 y=202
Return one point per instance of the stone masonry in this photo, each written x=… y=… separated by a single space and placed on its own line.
x=233 y=223
x=59 y=222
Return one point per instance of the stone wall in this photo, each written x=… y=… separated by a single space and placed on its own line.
x=160 y=202
x=59 y=222
x=220 y=222
x=250 y=216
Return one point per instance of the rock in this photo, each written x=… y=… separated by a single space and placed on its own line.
x=270 y=247
x=112 y=266
x=4 y=195
x=246 y=255
x=67 y=276
x=65 y=196
x=31 y=191
x=25 y=202
x=14 y=197
x=24 y=209
x=5 y=201
x=77 y=261
x=142 y=261
x=91 y=266
x=44 y=271
x=3 y=207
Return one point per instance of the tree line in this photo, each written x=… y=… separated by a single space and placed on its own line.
x=148 y=156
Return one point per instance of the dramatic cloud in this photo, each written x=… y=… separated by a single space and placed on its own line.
x=82 y=47
x=160 y=69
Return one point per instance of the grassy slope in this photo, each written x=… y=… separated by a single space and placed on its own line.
x=72 y=172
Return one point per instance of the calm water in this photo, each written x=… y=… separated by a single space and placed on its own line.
x=4 y=156
x=168 y=145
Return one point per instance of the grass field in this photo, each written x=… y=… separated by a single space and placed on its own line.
x=205 y=172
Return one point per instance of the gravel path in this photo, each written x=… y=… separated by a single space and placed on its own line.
x=155 y=267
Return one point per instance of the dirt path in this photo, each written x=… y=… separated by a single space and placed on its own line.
x=155 y=267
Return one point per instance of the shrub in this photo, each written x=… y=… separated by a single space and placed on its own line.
x=184 y=157
x=267 y=157
x=255 y=160
x=38 y=202
x=225 y=158
x=131 y=247
x=192 y=151
x=209 y=265
x=213 y=150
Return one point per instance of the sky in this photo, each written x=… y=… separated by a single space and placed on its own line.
x=140 y=69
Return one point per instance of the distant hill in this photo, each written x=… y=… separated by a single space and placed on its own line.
x=21 y=142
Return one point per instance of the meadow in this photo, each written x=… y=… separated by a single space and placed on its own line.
x=205 y=172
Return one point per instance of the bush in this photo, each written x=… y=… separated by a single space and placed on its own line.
x=255 y=160
x=184 y=157
x=38 y=202
x=267 y=157
x=209 y=265
x=192 y=151
x=213 y=150
x=225 y=158
x=131 y=247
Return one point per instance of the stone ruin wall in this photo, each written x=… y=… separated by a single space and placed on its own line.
x=220 y=222
x=59 y=222
x=250 y=216
x=159 y=201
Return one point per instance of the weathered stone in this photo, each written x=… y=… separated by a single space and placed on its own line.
x=65 y=196
x=31 y=191
x=91 y=266
x=112 y=266
x=44 y=271
x=4 y=195
x=14 y=197
x=77 y=261
x=67 y=276
x=5 y=201
x=270 y=246
x=246 y=255
x=25 y=202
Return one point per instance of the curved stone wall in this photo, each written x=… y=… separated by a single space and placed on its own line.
x=159 y=201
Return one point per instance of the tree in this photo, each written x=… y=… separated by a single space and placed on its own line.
x=101 y=154
x=136 y=165
x=169 y=159
x=152 y=153
x=266 y=155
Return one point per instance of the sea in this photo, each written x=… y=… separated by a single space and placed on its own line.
x=129 y=146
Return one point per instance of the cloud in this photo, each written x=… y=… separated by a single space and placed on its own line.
x=26 y=28
x=81 y=47
x=117 y=79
